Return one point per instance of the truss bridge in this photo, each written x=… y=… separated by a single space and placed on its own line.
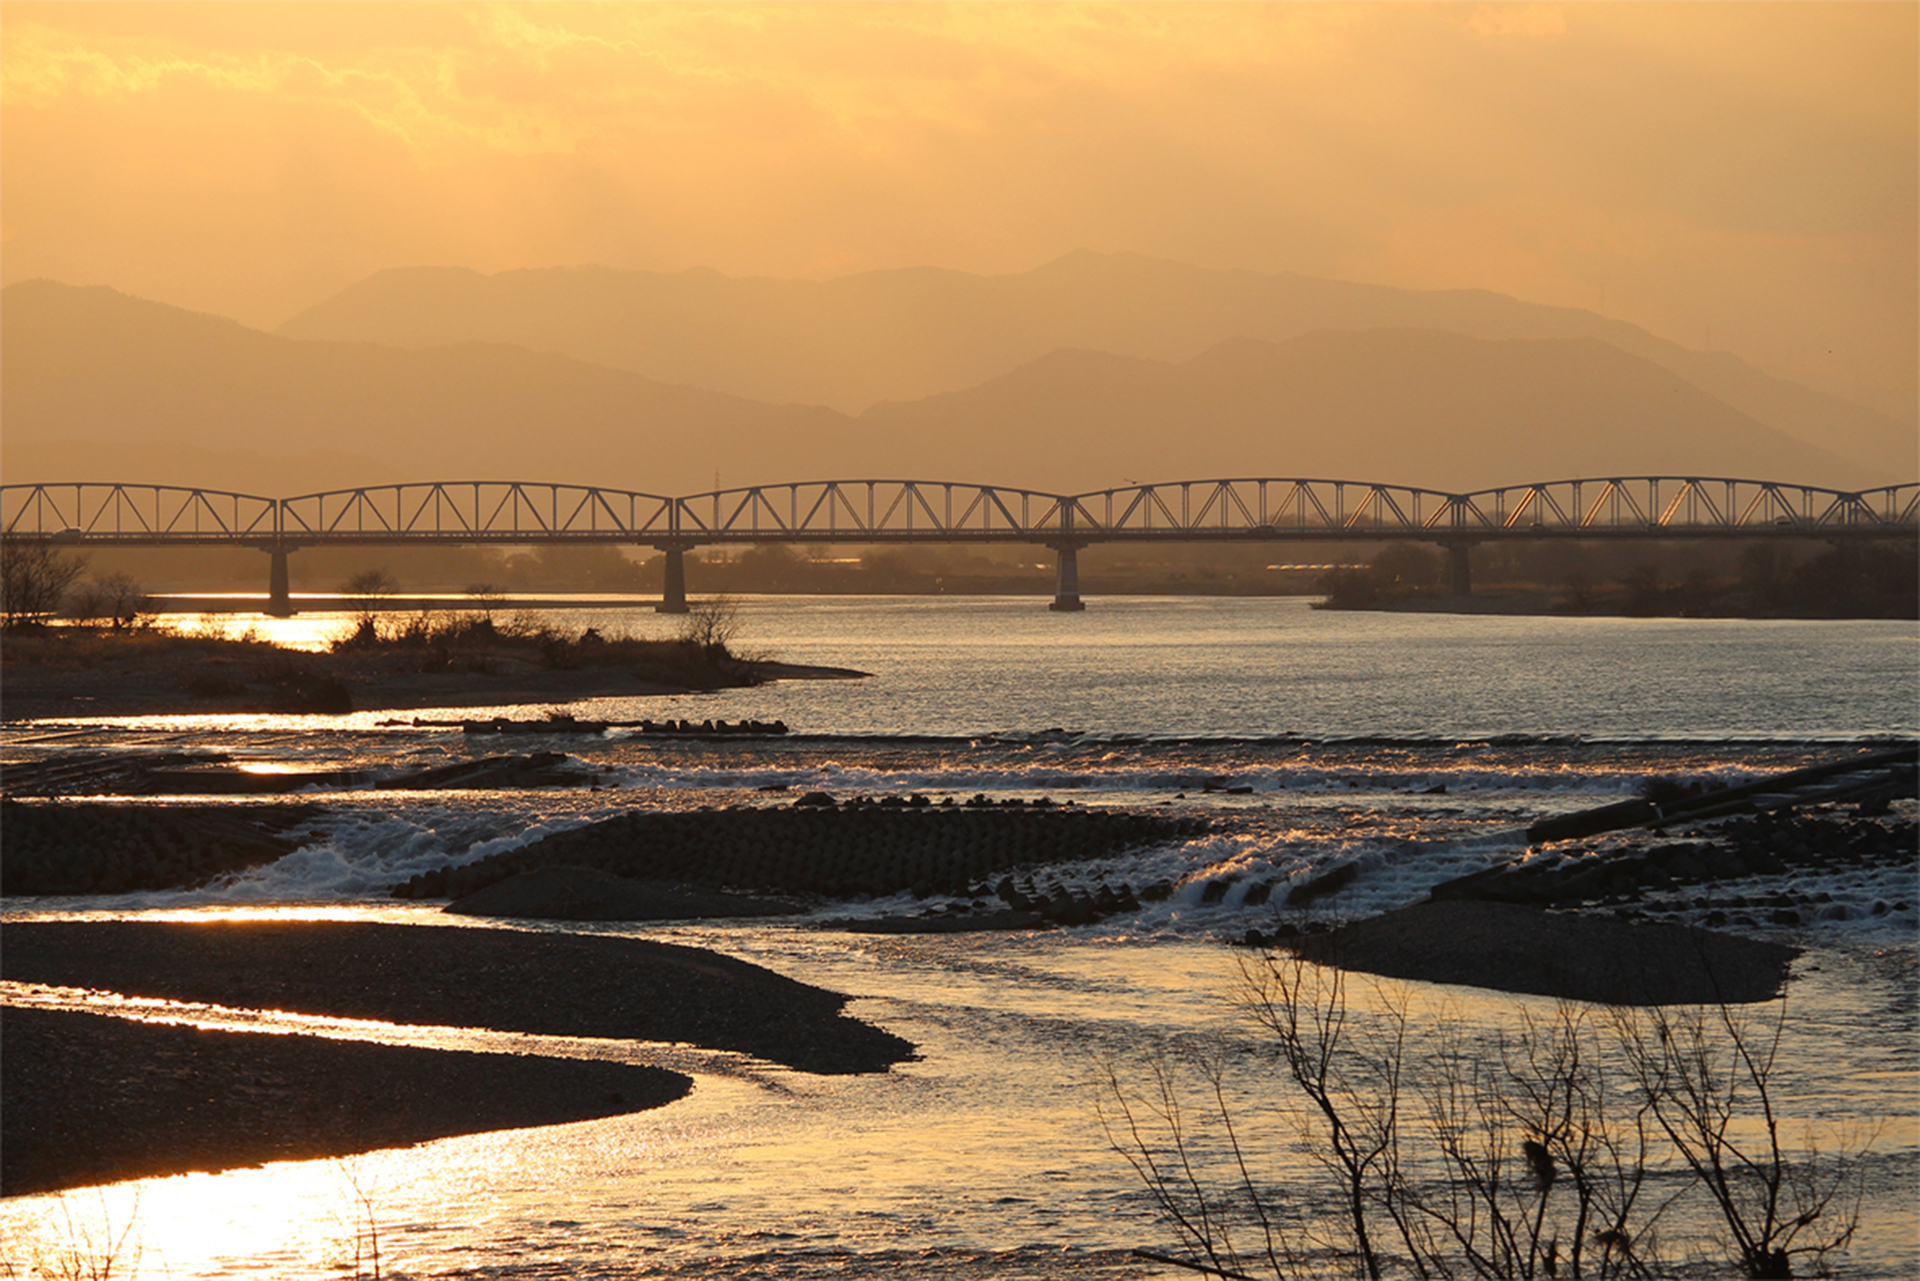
x=1258 y=509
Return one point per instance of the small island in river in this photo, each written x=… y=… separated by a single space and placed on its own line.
x=457 y=661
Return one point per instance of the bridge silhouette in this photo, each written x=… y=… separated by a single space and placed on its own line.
x=1258 y=509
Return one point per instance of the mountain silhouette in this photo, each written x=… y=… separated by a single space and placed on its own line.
x=903 y=335
x=1405 y=406
x=99 y=372
x=101 y=386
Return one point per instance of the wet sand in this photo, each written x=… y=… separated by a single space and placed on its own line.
x=90 y=1099
x=1506 y=947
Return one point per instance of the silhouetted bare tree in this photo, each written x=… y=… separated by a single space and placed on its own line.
x=34 y=578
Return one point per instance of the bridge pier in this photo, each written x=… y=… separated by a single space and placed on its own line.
x=673 y=594
x=279 y=601
x=1459 y=568
x=1066 y=578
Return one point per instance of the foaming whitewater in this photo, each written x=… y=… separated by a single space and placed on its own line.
x=1408 y=750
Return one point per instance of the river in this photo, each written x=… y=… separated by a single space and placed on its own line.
x=1415 y=746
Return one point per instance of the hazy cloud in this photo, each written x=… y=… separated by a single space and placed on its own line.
x=1740 y=175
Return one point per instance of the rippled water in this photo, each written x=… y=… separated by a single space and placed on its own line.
x=1415 y=746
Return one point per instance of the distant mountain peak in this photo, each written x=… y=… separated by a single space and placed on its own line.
x=904 y=334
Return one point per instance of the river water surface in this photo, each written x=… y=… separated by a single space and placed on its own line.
x=1415 y=746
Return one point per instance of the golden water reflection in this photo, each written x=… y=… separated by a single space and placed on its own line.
x=989 y=1140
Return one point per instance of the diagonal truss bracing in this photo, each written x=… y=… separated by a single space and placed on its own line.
x=871 y=511
x=1262 y=507
x=883 y=511
x=143 y=514
x=473 y=511
x=1652 y=505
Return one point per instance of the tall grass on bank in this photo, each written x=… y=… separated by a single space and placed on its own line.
x=1567 y=1147
x=700 y=656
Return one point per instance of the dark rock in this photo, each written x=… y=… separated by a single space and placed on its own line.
x=1330 y=882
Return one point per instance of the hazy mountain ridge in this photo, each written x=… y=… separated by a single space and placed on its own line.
x=858 y=340
x=96 y=378
x=1430 y=409
x=96 y=368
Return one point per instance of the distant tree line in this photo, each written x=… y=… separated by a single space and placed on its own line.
x=1785 y=579
x=1790 y=578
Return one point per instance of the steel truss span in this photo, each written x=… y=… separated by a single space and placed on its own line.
x=475 y=512
x=144 y=515
x=887 y=511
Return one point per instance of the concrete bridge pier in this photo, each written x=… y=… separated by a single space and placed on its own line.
x=1459 y=567
x=673 y=594
x=1066 y=579
x=279 y=602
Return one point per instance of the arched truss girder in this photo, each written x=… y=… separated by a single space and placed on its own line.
x=1263 y=506
x=855 y=511
x=103 y=512
x=1685 y=504
x=504 y=511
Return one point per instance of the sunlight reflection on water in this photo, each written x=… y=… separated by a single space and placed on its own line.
x=989 y=1144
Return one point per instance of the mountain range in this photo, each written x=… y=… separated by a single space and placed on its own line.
x=904 y=335
x=1060 y=379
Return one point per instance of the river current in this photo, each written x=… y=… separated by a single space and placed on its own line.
x=1417 y=747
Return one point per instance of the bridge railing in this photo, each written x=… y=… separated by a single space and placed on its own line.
x=871 y=511
x=137 y=513
x=477 y=511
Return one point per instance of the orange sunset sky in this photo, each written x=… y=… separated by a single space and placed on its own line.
x=1727 y=175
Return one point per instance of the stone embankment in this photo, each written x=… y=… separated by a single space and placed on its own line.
x=825 y=849
x=1695 y=874
x=80 y=847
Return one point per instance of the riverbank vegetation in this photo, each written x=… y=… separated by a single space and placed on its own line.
x=1788 y=579
x=1581 y=1141
x=698 y=656
x=135 y=665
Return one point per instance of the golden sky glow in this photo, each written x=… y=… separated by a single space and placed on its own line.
x=1738 y=176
